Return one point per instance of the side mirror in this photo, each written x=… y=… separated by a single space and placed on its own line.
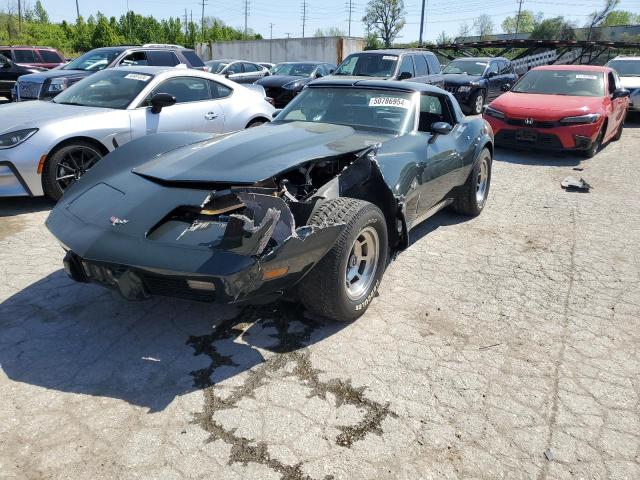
x=404 y=76
x=227 y=74
x=161 y=100
x=332 y=70
x=318 y=75
x=505 y=87
x=440 y=128
x=5 y=65
x=276 y=112
x=491 y=74
x=620 y=93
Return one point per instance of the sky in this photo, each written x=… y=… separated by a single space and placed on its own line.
x=286 y=15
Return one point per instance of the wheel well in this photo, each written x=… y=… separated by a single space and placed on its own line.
x=489 y=145
x=257 y=119
x=103 y=150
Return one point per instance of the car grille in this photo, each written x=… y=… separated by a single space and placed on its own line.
x=29 y=89
x=521 y=122
x=168 y=286
x=451 y=88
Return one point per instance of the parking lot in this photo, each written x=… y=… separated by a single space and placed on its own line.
x=500 y=347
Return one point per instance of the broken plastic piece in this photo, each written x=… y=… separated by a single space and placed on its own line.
x=570 y=183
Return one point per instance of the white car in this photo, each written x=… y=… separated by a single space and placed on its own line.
x=628 y=69
x=46 y=146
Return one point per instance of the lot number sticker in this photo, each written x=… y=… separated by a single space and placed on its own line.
x=587 y=77
x=137 y=76
x=389 y=102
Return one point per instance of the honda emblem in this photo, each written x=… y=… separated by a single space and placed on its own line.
x=528 y=121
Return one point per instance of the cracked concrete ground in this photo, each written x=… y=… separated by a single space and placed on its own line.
x=493 y=341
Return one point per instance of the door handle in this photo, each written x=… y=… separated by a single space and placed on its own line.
x=211 y=116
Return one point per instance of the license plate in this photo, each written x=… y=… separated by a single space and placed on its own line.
x=526 y=135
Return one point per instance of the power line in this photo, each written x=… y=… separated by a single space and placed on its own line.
x=304 y=15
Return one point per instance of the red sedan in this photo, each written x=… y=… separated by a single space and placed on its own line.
x=561 y=107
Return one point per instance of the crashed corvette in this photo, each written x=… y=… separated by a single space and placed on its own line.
x=311 y=206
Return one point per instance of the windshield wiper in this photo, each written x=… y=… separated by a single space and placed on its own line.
x=69 y=103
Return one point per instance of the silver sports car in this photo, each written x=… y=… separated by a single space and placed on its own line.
x=46 y=146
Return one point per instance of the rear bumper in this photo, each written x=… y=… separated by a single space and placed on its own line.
x=575 y=137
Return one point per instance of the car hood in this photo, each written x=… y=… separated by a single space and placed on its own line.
x=280 y=80
x=545 y=107
x=256 y=154
x=36 y=114
x=460 y=78
x=49 y=74
x=630 y=82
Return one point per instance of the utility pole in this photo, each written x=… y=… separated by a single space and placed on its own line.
x=19 y=15
x=304 y=15
x=422 y=22
x=77 y=10
x=350 y=11
x=515 y=36
x=246 y=15
x=203 y=2
x=270 y=40
x=186 y=24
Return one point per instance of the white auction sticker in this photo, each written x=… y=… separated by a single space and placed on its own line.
x=138 y=76
x=587 y=77
x=389 y=57
x=389 y=102
x=481 y=64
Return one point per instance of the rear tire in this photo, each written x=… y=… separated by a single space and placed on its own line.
x=71 y=160
x=473 y=194
x=343 y=284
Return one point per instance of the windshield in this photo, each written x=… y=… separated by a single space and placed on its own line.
x=360 y=108
x=93 y=61
x=573 y=83
x=113 y=88
x=217 y=66
x=626 y=68
x=470 y=67
x=294 y=69
x=368 y=65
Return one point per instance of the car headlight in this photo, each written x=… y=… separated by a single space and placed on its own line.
x=492 y=112
x=590 y=118
x=57 y=85
x=464 y=88
x=8 y=140
x=292 y=85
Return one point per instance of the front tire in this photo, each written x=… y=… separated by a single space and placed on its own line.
x=343 y=284
x=473 y=194
x=66 y=165
x=597 y=143
x=477 y=102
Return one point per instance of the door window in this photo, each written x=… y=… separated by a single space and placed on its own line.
x=422 y=69
x=407 y=66
x=434 y=64
x=184 y=89
x=493 y=68
x=234 y=68
x=612 y=83
x=6 y=53
x=433 y=108
x=250 y=67
x=49 y=57
x=135 y=58
x=218 y=90
x=162 y=59
x=25 y=56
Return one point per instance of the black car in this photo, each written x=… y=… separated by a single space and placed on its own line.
x=315 y=202
x=289 y=78
x=9 y=73
x=476 y=81
x=46 y=85
x=240 y=71
x=393 y=64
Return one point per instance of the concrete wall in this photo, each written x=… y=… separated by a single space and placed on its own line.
x=322 y=49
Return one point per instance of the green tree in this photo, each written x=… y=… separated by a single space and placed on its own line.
x=556 y=28
x=443 y=38
x=526 y=24
x=385 y=19
x=103 y=34
x=483 y=26
x=620 y=17
x=40 y=14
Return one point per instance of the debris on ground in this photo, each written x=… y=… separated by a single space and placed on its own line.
x=571 y=184
x=578 y=169
x=548 y=455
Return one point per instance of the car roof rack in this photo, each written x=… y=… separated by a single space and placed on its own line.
x=162 y=45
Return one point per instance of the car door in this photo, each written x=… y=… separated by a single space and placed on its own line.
x=493 y=80
x=9 y=73
x=435 y=70
x=511 y=77
x=422 y=69
x=138 y=57
x=194 y=110
x=441 y=169
x=252 y=72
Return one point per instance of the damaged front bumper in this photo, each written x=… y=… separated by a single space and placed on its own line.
x=250 y=256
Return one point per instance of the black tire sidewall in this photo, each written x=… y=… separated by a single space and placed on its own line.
x=50 y=185
x=374 y=218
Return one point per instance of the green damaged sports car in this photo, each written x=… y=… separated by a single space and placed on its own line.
x=312 y=205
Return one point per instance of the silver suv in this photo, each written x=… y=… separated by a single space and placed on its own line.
x=628 y=69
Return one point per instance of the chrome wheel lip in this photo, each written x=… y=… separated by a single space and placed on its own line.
x=75 y=162
x=362 y=263
x=482 y=182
